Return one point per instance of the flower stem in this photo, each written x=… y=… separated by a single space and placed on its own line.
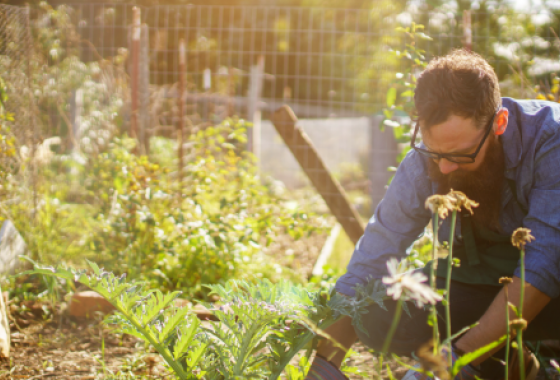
x=448 y=284
x=394 y=324
x=508 y=339
x=520 y=316
x=433 y=269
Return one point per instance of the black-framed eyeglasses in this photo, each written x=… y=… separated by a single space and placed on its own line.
x=453 y=157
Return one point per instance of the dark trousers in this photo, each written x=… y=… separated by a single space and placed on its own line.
x=468 y=303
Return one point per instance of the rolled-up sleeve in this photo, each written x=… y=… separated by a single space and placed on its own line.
x=542 y=256
x=398 y=221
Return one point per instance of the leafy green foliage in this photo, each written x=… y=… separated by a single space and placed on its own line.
x=373 y=292
x=471 y=356
x=261 y=327
x=400 y=96
x=58 y=75
x=125 y=212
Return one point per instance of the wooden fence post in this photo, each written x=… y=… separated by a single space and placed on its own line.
x=76 y=108
x=144 y=90
x=467 y=30
x=181 y=103
x=300 y=145
x=135 y=73
x=253 y=107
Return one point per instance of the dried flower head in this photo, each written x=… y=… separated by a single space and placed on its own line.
x=408 y=285
x=518 y=324
x=461 y=201
x=520 y=237
x=440 y=204
x=433 y=363
x=506 y=280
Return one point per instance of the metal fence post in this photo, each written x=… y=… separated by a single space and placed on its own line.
x=383 y=154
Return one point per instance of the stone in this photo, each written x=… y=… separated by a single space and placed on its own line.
x=87 y=303
x=12 y=245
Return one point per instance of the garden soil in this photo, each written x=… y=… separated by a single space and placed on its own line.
x=48 y=344
x=70 y=348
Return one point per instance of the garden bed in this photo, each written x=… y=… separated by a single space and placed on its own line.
x=63 y=347
x=68 y=348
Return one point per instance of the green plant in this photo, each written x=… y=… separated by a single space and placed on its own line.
x=261 y=327
x=400 y=95
x=124 y=211
x=519 y=238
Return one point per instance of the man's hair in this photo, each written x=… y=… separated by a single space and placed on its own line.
x=461 y=83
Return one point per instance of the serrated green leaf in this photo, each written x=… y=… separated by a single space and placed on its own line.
x=173 y=322
x=471 y=356
x=136 y=333
x=94 y=267
x=195 y=355
x=187 y=334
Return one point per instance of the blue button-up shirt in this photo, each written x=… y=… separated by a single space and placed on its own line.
x=531 y=145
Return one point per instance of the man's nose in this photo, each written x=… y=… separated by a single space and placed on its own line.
x=446 y=166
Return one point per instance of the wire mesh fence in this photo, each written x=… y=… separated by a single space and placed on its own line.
x=323 y=62
x=16 y=51
x=328 y=64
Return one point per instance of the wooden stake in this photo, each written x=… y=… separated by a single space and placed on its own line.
x=253 y=107
x=134 y=85
x=467 y=30
x=181 y=101
x=302 y=148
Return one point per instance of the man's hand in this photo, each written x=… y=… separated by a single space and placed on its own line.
x=492 y=324
x=342 y=332
x=329 y=357
x=468 y=372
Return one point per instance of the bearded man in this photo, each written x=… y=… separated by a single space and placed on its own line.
x=502 y=153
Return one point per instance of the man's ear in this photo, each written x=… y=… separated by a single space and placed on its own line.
x=501 y=122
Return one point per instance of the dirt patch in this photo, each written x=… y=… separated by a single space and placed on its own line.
x=55 y=346
x=299 y=255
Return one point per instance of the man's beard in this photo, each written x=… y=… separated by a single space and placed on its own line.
x=483 y=185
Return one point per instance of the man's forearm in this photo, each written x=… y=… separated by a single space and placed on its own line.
x=343 y=332
x=492 y=324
